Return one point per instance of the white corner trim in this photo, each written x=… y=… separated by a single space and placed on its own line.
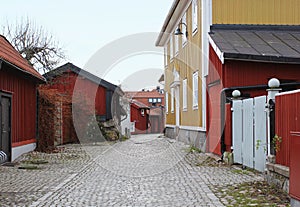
x=193 y=128
x=170 y=126
x=219 y=53
x=18 y=151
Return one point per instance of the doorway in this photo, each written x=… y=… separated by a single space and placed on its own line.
x=5 y=124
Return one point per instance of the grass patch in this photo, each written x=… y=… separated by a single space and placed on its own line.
x=252 y=194
x=193 y=149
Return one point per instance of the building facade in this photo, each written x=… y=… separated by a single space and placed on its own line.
x=18 y=102
x=185 y=71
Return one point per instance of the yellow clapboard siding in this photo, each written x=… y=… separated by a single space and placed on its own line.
x=275 y=12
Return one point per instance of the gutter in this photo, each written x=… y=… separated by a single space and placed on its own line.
x=241 y=88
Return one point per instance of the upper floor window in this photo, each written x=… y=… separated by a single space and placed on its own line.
x=194 y=15
x=183 y=29
x=176 y=44
x=165 y=56
x=171 y=47
x=195 y=90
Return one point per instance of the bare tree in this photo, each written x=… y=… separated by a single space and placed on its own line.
x=36 y=45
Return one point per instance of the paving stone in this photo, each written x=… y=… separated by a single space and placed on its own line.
x=142 y=171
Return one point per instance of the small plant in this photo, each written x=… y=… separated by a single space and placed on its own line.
x=259 y=143
x=193 y=149
x=277 y=141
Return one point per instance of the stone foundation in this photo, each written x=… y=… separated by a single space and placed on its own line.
x=277 y=175
x=191 y=137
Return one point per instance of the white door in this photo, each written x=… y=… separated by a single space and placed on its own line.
x=177 y=104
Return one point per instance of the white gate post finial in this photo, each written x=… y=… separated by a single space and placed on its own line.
x=274 y=89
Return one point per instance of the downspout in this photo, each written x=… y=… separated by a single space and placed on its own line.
x=223 y=102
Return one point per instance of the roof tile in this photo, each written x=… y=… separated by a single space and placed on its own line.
x=11 y=55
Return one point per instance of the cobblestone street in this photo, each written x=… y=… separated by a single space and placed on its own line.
x=143 y=171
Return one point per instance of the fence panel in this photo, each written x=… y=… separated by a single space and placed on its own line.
x=260 y=133
x=247 y=146
x=237 y=132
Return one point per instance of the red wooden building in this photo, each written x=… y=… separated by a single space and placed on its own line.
x=287 y=115
x=245 y=58
x=139 y=115
x=155 y=101
x=86 y=92
x=18 y=98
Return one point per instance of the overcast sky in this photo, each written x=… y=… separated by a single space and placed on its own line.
x=85 y=27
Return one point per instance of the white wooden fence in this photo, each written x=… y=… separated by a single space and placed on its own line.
x=249 y=132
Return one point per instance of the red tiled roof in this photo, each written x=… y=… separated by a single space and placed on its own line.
x=11 y=55
x=144 y=94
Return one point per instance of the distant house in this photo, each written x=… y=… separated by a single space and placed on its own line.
x=154 y=100
x=85 y=92
x=139 y=115
x=18 y=98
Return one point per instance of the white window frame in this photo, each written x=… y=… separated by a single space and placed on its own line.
x=183 y=29
x=195 y=16
x=176 y=44
x=172 y=100
x=171 y=47
x=165 y=56
x=195 y=89
x=184 y=95
x=167 y=102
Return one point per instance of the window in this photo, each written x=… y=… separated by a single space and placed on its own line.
x=150 y=100
x=159 y=100
x=171 y=46
x=183 y=29
x=154 y=100
x=195 y=90
x=165 y=56
x=194 y=15
x=184 y=94
x=176 y=42
x=172 y=100
x=167 y=102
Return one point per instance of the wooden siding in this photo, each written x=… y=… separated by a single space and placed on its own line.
x=186 y=62
x=23 y=91
x=286 y=121
x=234 y=74
x=66 y=82
x=275 y=12
x=141 y=122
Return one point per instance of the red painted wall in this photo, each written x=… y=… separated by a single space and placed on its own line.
x=23 y=92
x=287 y=126
x=287 y=115
x=235 y=73
x=66 y=82
x=141 y=122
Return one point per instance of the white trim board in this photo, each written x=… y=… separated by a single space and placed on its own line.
x=18 y=151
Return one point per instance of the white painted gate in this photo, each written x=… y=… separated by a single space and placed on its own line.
x=249 y=132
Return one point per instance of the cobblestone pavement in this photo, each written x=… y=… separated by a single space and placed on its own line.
x=143 y=171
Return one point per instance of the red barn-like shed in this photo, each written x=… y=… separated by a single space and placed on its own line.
x=96 y=95
x=245 y=57
x=18 y=98
x=139 y=114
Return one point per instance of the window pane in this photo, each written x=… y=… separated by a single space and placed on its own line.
x=159 y=100
x=150 y=100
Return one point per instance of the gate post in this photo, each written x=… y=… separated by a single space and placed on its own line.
x=274 y=89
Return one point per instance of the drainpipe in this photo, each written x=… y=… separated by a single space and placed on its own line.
x=240 y=88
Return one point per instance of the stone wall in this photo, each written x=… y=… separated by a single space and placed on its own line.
x=191 y=137
x=277 y=175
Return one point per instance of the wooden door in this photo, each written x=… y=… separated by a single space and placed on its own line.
x=5 y=128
